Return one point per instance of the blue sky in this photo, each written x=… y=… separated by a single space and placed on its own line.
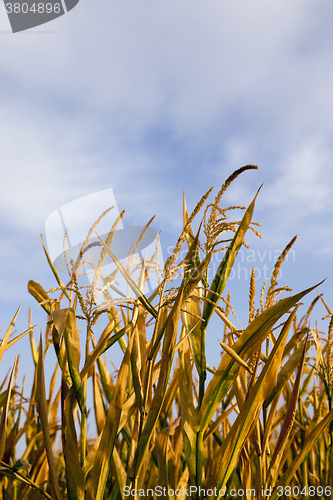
x=149 y=98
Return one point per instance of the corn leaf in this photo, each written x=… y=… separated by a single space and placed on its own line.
x=55 y=272
x=74 y=475
x=191 y=316
x=42 y=409
x=284 y=375
x=103 y=455
x=189 y=416
x=3 y=421
x=249 y=413
x=229 y=350
x=157 y=402
x=3 y=345
x=245 y=346
x=306 y=446
x=38 y=292
x=282 y=441
x=65 y=322
x=224 y=269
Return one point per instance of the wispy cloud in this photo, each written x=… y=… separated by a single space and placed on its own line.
x=150 y=98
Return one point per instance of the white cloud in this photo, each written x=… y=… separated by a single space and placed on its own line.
x=249 y=81
x=188 y=59
x=306 y=180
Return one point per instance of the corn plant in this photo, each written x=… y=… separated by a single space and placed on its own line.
x=260 y=425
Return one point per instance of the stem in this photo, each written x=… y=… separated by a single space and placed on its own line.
x=199 y=443
x=26 y=479
x=203 y=373
x=83 y=437
x=198 y=465
x=150 y=364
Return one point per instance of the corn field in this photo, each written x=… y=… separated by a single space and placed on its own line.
x=259 y=426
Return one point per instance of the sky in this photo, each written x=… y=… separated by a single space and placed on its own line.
x=149 y=98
